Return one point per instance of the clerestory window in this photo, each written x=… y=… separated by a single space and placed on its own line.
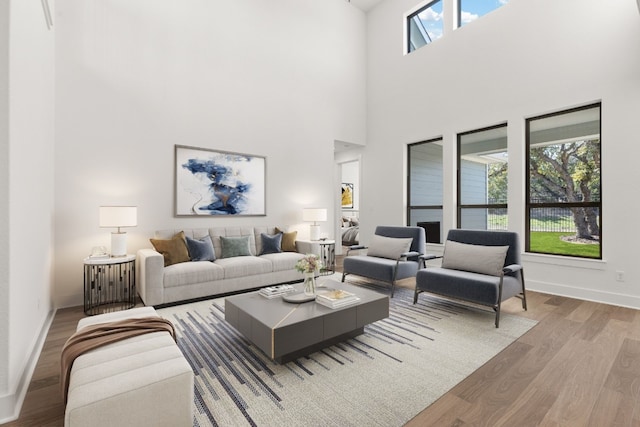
x=470 y=10
x=424 y=25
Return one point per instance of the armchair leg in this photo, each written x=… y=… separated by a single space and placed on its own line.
x=343 y=276
x=415 y=295
x=497 y=309
x=393 y=286
x=524 y=292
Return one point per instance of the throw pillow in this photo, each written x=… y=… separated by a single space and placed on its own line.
x=271 y=244
x=173 y=250
x=235 y=246
x=201 y=249
x=388 y=247
x=288 y=240
x=474 y=258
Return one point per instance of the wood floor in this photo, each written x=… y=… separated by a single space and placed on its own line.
x=580 y=366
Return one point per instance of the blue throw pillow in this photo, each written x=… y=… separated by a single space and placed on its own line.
x=201 y=249
x=271 y=244
x=235 y=246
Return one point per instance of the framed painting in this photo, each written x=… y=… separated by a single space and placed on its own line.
x=213 y=182
x=347 y=195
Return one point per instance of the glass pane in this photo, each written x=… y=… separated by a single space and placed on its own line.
x=564 y=157
x=425 y=25
x=483 y=219
x=425 y=165
x=430 y=220
x=554 y=231
x=470 y=10
x=483 y=167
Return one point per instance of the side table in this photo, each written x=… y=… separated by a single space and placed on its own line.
x=109 y=284
x=328 y=257
x=325 y=249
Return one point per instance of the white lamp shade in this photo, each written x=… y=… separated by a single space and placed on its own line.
x=118 y=216
x=314 y=214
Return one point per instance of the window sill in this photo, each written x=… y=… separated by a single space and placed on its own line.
x=565 y=261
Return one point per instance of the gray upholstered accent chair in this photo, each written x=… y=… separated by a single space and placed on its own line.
x=481 y=270
x=393 y=254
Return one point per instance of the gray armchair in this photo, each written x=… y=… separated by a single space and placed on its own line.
x=393 y=254
x=475 y=271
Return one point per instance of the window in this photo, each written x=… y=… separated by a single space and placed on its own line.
x=470 y=10
x=564 y=207
x=482 y=179
x=424 y=186
x=424 y=25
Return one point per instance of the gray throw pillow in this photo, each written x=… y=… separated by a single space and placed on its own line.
x=474 y=258
x=201 y=249
x=271 y=244
x=388 y=247
x=235 y=246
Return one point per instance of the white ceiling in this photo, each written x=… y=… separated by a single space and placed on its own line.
x=367 y=5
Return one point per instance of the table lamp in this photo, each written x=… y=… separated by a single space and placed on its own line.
x=315 y=215
x=118 y=216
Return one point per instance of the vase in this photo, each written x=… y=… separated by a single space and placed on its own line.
x=309 y=283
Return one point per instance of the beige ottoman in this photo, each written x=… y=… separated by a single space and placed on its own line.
x=140 y=381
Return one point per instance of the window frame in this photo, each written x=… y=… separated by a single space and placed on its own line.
x=459 y=204
x=529 y=206
x=411 y=207
x=408 y=25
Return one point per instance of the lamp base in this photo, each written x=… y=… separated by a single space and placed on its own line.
x=118 y=244
x=315 y=232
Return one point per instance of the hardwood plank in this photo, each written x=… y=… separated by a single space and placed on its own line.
x=580 y=364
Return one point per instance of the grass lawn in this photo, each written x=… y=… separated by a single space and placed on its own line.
x=550 y=243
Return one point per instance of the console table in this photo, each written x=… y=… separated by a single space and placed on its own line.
x=109 y=284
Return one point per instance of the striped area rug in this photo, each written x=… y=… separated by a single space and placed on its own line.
x=386 y=376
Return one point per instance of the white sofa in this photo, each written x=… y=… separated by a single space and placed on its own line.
x=158 y=284
x=140 y=381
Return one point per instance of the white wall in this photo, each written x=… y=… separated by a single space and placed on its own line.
x=27 y=195
x=282 y=79
x=524 y=59
x=4 y=198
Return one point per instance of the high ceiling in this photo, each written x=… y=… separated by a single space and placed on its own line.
x=367 y=5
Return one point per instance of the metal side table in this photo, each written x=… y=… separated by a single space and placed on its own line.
x=109 y=284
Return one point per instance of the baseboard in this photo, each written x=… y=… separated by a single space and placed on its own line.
x=621 y=300
x=11 y=404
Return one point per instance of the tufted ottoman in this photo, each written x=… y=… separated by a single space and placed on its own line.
x=140 y=381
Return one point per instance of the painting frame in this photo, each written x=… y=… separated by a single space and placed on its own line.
x=210 y=182
x=347 y=201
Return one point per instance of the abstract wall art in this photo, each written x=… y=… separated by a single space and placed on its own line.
x=212 y=182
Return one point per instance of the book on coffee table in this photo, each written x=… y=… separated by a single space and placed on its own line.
x=276 y=291
x=336 y=298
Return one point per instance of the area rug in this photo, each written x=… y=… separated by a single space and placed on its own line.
x=384 y=377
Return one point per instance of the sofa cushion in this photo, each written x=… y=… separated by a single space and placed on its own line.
x=173 y=250
x=388 y=247
x=284 y=260
x=244 y=266
x=201 y=249
x=271 y=244
x=288 y=240
x=192 y=273
x=474 y=258
x=235 y=246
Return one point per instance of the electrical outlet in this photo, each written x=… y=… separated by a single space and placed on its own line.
x=619 y=275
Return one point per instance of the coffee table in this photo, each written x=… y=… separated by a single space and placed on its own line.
x=286 y=331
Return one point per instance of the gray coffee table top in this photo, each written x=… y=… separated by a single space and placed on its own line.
x=284 y=330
